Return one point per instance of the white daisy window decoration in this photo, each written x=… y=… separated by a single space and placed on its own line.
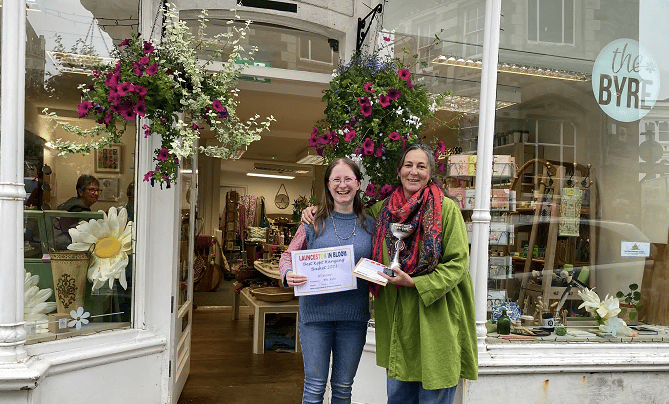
x=110 y=238
x=79 y=317
x=36 y=306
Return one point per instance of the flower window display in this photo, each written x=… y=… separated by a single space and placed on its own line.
x=374 y=110
x=168 y=85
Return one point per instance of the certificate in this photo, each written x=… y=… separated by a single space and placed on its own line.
x=327 y=269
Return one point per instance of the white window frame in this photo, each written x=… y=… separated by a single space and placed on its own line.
x=538 y=33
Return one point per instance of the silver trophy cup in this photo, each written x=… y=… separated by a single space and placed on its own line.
x=400 y=231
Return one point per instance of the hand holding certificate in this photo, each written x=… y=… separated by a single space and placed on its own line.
x=369 y=270
x=327 y=269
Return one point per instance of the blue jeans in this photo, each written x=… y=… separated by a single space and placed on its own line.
x=414 y=393
x=345 y=340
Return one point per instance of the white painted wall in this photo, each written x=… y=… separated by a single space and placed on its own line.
x=268 y=187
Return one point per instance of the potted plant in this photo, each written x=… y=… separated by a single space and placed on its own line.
x=630 y=303
x=168 y=85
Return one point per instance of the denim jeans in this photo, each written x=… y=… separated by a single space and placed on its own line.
x=414 y=393
x=345 y=341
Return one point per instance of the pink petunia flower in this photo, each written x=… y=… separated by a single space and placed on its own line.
x=144 y=60
x=366 y=110
x=386 y=190
x=141 y=90
x=194 y=126
x=384 y=100
x=129 y=114
x=441 y=146
x=404 y=74
x=148 y=47
x=140 y=108
x=118 y=66
x=394 y=136
x=368 y=87
x=368 y=147
x=410 y=84
x=350 y=135
x=314 y=132
x=313 y=141
x=124 y=88
x=363 y=101
x=125 y=42
x=335 y=138
x=163 y=155
x=379 y=151
x=319 y=151
x=83 y=108
x=326 y=138
x=386 y=38
x=216 y=104
x=440 y=166
x=148 y=176
x=394 y=94
x=370 y=190
x=147 y=130
x=137 y=69
x=151 y=70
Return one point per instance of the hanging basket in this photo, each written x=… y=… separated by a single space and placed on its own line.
x=69 y=278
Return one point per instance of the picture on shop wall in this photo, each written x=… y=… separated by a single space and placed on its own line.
x=108 y=189
x=108 y=159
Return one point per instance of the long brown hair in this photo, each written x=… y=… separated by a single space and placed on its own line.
x=327 y=201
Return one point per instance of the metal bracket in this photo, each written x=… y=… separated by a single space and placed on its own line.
x=362 y=22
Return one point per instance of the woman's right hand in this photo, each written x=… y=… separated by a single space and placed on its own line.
x=293 y=279
x=308 y=214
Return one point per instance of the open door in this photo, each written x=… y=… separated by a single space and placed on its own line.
x=182 y=293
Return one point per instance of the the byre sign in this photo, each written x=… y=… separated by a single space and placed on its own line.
x=625 y=80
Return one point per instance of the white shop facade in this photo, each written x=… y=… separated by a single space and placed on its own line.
x=575 y=91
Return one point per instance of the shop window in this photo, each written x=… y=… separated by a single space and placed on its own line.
x=551 y=21
x=474 y=20
x=316 y=50
x=64 y=44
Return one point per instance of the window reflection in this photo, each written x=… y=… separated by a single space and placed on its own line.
x=64 y=43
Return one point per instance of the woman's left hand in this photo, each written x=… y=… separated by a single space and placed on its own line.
x=401 y=278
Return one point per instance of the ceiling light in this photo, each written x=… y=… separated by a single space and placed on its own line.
x=309 y=156
x=468 y=105
x=287 y=177
x=514 y=68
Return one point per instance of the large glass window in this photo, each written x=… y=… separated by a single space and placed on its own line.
x=66 y=39
x=581 y=145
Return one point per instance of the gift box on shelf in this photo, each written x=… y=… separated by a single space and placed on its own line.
x=469 y=198
x=500 y=233
x=458 y=195
x=462 y=165
x=499 y=199
x=503 y=166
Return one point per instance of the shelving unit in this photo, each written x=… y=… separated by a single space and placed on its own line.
x=231 y=223
x=544 y=230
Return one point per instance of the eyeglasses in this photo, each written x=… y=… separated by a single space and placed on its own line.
x=337 y=181
x=93 y=190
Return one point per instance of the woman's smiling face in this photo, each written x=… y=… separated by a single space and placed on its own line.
x=415 y=172
x=343 y=186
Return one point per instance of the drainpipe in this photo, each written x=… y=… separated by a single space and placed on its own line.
x=481 y=215
x=12 y=191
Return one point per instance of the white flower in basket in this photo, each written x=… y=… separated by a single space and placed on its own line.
x=110 y=238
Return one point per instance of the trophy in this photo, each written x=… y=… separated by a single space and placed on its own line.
x=400 y=231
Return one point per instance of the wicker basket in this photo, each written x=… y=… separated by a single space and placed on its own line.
x=273 y=294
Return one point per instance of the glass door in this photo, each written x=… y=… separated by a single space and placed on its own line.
x=183 y=293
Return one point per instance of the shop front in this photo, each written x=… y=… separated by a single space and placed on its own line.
x=557 y=149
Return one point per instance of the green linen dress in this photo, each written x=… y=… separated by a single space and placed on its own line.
x=427 y=334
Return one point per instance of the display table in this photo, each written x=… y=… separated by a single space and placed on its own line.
x=260 y=308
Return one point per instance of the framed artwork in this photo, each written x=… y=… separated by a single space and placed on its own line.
x=108 y=159
x=108 y=189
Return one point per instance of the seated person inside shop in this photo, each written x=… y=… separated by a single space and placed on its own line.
x=88 y=191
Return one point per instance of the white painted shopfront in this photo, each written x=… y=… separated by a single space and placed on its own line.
x=521 y=75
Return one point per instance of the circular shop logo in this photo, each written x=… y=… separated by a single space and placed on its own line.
x=625 y=80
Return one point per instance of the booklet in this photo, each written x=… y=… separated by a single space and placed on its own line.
x=368 y=270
